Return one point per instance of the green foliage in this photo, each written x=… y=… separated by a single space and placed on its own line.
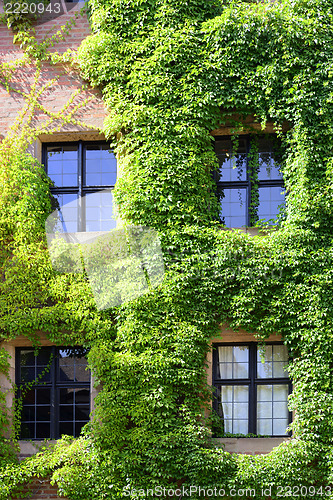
x=170 y=73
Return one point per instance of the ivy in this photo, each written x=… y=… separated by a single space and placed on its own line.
x=170 y=73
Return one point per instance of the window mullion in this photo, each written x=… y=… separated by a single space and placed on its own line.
x=53 y=372
x=252 y=389
x=248 y=178
x=81 y=223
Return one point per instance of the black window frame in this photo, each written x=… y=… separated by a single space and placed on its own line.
x=81 y=189
x=54 y=384
x=247 y=184
x=252 y=382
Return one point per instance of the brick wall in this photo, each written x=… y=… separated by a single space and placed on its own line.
x=93 y=113
x=39 y=489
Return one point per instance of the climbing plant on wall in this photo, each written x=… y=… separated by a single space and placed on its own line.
x=170 y=73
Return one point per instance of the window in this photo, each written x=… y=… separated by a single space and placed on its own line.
x=249 y=193
x=252 y=395
x=55 y=391
x=83 y=175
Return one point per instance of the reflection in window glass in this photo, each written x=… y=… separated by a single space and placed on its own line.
x=62 y=165
x=232 y=166
x=101 y=166
x=68 y=212
x=234 y=207
x=270 y=200
x=274 y=364
x=99 y=211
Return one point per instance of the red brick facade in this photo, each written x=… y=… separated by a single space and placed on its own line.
x=39 y=489
x=55 y=97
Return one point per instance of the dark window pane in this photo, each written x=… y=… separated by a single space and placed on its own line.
x=27 y=357
x=82 y=412
x=27 y=431
x=28 y=413
x=43 y=413
x=43 y=374
x=234 y=207
x=78 y=427
x=27 y=374
x=270 y=199
x=28 y=397
x=66 y=396
x=43 y=431
x=43 y=396
x=82 y=396
x=66 y=428
x=66 y=413
x=44 y=356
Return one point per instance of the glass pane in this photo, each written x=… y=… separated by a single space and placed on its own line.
x=43 y=374
x=232 y=166
x=43 y=413
x=226 y=410
x=66 y=413
x=225 y=370
x=241 y=393
x=44 y=355
x=280 y=426
x=234 y=408
x=82 y=412
x=264 y=393
x=62 y=165
x=68 y=212
x=264 y=410
x=265 y=365
x=101 y=166
x=240 y=427
x=28 y=413
x=43 y=396
x=264 y=427
x=270 y=199
x=81 y=373
x=66 y=428
x=27 y=357
x=29 y=396
x=269 y=162
x=78 y=427
x=28 y=374
x=234 y=207
x=225 y=354
x=66 y=396
x=233 y=362
x=99 y=211
x=280 y=410
x=42 y=431
x=82 y=396
x=280 y=392
x=27 y=431
x=227 y=393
